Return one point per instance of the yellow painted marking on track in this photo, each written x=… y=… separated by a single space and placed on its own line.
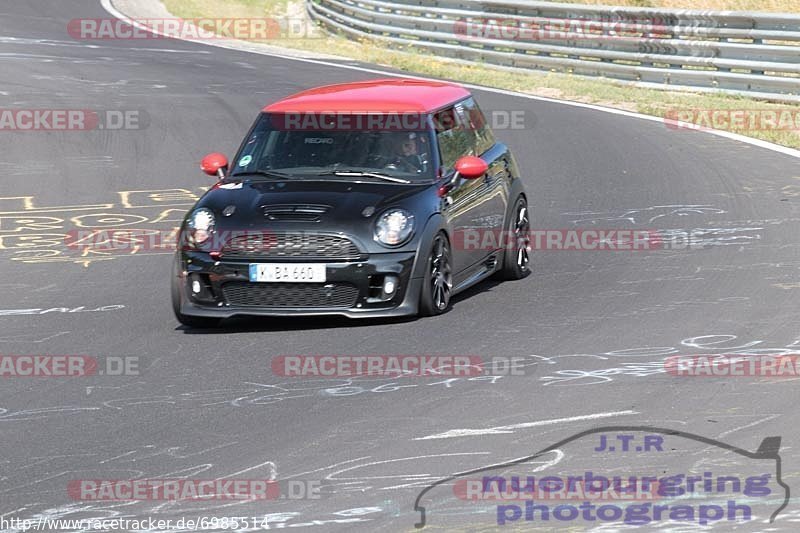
x=33 y=237
x=157 y=198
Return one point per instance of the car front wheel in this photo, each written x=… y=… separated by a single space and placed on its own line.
x=516 y=260
x=438 y=282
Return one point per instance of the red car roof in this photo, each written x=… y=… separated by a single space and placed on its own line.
x=394 y=95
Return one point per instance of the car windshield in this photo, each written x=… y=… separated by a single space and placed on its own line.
x=279 y=148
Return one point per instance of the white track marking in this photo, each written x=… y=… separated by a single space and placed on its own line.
x=499 y=430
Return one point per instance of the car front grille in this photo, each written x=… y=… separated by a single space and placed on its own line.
x=279 y=295
x=296 y=213
x=268 y=245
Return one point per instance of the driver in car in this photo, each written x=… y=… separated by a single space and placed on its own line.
x=407 y=157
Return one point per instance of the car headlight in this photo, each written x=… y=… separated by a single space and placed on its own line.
x=394 y=227
x=200 y=225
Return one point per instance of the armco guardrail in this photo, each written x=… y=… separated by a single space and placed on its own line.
x=756 y=54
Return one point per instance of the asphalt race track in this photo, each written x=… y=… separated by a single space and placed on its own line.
x=593 y=327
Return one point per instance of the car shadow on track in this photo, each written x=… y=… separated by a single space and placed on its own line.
x=267 y=324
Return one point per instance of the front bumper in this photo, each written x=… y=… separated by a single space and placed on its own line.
x=349 y=289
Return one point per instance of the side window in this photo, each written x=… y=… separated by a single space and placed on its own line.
x=454 y=136
x=484 y=138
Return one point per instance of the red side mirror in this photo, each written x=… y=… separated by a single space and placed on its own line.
x=471 y=167
x=212 y=164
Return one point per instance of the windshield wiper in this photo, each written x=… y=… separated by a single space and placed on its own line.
x=360 y=174
x=268 y=173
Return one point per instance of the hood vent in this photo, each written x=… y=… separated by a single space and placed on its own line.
x=295 y=213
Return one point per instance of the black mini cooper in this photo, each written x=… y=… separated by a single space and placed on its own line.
x=369 y=199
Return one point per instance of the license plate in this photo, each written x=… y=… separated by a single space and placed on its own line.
x=288 y=272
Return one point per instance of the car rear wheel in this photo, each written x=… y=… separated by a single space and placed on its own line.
x=438 y=283
x=198 y=322
x=516 y=260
